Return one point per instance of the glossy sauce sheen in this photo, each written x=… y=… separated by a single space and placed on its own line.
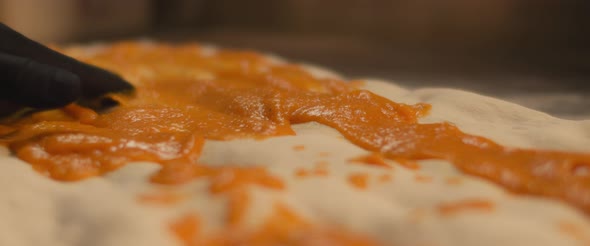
x=186 y=94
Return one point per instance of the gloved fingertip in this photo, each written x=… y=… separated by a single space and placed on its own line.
x=97 y=82
x=64 y=88
x=36 y=85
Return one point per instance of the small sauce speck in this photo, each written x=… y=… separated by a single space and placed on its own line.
x=454 y=181
x=574 y=231
x=422 y=178
x=186 y=228
x=162 y=198
x=373 y=159
x=478 y=205
x=299 y=147
x=383 y=178
x=359 y=180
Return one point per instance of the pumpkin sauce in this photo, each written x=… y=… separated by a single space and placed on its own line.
x=187 y=94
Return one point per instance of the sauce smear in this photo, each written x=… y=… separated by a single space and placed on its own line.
x=186 y=94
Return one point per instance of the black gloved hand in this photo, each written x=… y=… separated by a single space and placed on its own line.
x=34 y=76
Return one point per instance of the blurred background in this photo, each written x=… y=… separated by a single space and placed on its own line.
x=533 y=52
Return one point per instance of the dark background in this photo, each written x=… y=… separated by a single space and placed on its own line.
x=533 y=52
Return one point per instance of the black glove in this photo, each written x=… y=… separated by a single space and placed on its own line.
x=34 y=76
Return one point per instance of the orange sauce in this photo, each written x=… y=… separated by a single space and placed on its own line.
x=299 y=147
x=409 y=164
x=373 y=159
x=574 y=231
x=466 y=205
x=302 y=172
x=186 y=228
x=318 y=171
x=321 y=168
x=387 y=177
x=359 y=180
x=221 y=179
x=239 y=201
x=422 y=178
x=454 y=181
x=186 y=95
x=162 y=198
x=284 y=227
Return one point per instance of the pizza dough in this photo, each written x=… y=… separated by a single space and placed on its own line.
x=432 y=205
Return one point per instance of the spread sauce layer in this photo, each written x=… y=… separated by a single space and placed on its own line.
x=187 y=94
